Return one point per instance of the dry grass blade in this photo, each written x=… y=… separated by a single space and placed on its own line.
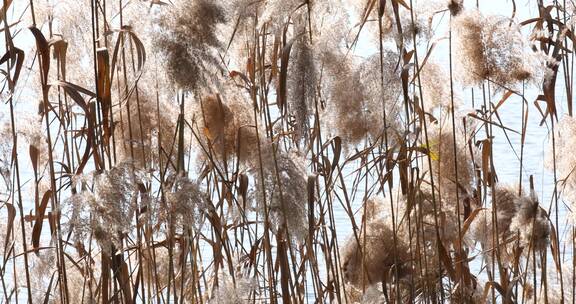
x=40 y=216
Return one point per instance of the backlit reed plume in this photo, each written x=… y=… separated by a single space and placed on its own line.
x=145 y=131
x=371 y=27
x=356 y=112
x=71 y=21
x=419 y=27
x=156 y=268
x=188 y=38
x=82 y=278
x=531 y=223
x=239 y=290
x=228 y=128
x=284 y=192
x=491 y=47
x=445 y=161
x=373 y=296
x=278 y=13
x=155 y=264
x=302 y=81
x=554 y=293
x=105 y=205
x=186 y=203
x=435 y=83
x=565 y=133
x=330 y=28
x=483 y=228
x=517 y=216
x=373 y=256
x=369 y=258
x=31 y=135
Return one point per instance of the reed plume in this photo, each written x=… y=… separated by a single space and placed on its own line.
x=492 y=48
x=453 y=171
x=139 y=122
x=218 y=152
x=566 y=164
x=372 y=256
x=228 y=128
x=357 y=113
x=188 y=40
x=436 y=91
x=517 y=216
x=284 y=192
x=302 y=84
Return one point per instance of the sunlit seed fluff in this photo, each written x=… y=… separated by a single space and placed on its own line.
x=114 y=204
x=446 y=160
x=382 y=85
x=71 y=21
x=228 y=128
x=276 y=13
x=139 y=124
x=302 y=81
x=436 y=91
x=76 y=214
x=155 y=264
x=531 y=223
x=484 y=226
x=371 y=28
x=373 y=207
x=186 y=202
x=373 y=295
x=188 y=38
x=367 y=259
x=344 y=109
x=558 y=289
x=414 y=24
x=285 y=192
x=491 y=47
x=518 y=215
x=562 y=153
x=81 y=278
x=358 y=99
x=237 y=291
x=330 y=24
x=373 y=255
x=31 y=132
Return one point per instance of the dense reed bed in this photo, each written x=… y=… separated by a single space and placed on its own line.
x=200 y=151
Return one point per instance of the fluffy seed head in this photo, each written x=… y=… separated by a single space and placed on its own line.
x=531 y=223
x=188 y=38
x=445 y=161
x=565 y=134
x=228 y=128
x=140 y=123
x=302 y=81
x=358 y=99
x=492 y=47
x=367 y=259
x=284 y=191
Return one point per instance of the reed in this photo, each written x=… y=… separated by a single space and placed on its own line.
x=273 y=151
